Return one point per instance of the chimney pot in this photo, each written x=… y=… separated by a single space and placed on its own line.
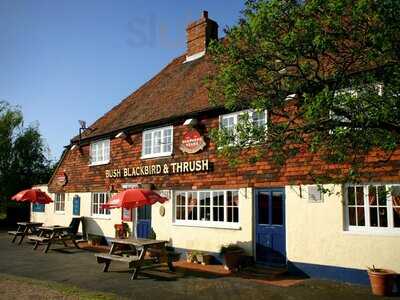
x=205 y=14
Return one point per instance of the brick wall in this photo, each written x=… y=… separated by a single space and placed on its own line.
x=82 y=177
x=199 y=34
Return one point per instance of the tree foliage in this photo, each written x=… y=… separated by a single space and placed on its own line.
x=327 y=71
x=23 y=154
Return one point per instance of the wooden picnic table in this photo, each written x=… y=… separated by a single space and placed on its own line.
x=133 y=251
x=24 y=228
x=51 y=234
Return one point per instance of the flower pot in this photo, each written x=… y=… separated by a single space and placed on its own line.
x=233 y=259
x=189 y=257
x=382 y=281
x=206 y=259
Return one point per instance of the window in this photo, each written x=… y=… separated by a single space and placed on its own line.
x=157 y=142
x=230 y=121
x=256 y=120
x=351 y=93
x=37 y=207
x=207 y=208
x=374 y=207
x=59 y=202
x=100 y=152
x=98 y=199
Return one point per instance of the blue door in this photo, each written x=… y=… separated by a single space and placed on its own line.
x=143 y=228
x=270 y=227
x=76 y=205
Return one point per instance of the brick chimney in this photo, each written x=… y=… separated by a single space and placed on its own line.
x=199 y=34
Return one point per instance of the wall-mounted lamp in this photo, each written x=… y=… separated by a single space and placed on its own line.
x=291 y=97
x=76 y=146
x=123 y=136
x=190 y=122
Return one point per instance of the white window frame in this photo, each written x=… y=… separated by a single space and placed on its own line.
x=107 y=212
x=368 y=229
x=236 y=115
x=105 y=149
x=152 y=132
x=212 y=224
x=59 y=201
x=354 y=93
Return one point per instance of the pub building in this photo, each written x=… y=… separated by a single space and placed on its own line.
x=158 y=138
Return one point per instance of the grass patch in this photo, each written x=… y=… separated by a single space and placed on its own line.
x=66 y=290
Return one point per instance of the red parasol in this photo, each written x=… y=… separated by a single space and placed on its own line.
x=32 y=195
x=133 y=198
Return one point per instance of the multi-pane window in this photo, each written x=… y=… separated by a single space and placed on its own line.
x=230 y=121
x=192 y=205
x=232 y=206
x=218 y=206
x=180 y=206
x=395 y=194
x=206 y=207
x=259 y=118
x=100 y=152
x=353 y=93
x=59 y=202
x=373 y=206
x=98 y=199
x=157 y=142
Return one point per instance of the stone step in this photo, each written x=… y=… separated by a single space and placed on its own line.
x=259 y=271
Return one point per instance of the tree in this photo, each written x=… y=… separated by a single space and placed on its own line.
x=23 y=154
x=327 y=72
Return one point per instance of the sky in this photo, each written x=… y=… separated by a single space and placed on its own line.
x=69 y=60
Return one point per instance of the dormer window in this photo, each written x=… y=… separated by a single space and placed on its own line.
x=100 y=152
x=157 y=142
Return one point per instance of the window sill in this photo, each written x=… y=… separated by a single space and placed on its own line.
x=59 y=212
x=155 y=155
x=370 y=232
x=106 y=162
x=38 y=212
x=102 y=217
x=200 y=224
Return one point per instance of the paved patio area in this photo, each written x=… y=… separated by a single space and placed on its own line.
x=79 y=268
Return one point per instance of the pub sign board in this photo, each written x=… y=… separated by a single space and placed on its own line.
x=160 y=169
x=192 y=142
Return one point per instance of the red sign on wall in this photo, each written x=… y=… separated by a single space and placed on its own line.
x=62 y=179
x=192 y=142
x=126 y=214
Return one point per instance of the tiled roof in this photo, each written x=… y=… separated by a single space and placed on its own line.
x=179 y=89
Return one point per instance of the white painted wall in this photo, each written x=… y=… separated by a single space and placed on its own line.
x=95 y=225
x=206 y=239
x=315 y=234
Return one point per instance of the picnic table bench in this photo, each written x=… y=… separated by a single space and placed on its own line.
x=52 y=234
x=24 y=228
x=135 y=256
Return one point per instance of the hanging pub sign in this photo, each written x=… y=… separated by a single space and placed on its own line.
x=160 y=169
x=192 y=142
